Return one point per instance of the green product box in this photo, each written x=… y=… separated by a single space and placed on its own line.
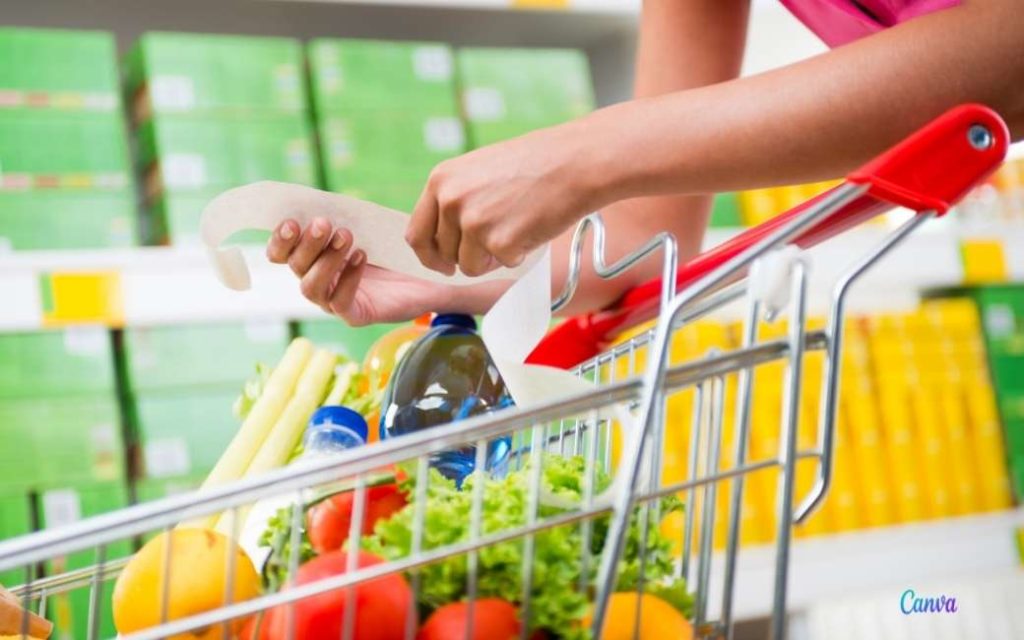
x=56 y=363
x=54 y=68
x=481 y=134
x=372 y=74
x=384 y=146
x=1002 y=315
x=61 y=440
x=183 y=432
x=532 y=85
x=59 y=219
x=48 y=149
x=15 y=520
x=400 y=197
x=334 y=334
x=65 y=505
x=149 y=489
x=200 y=355
x=173 y=218
x=215 y=74
x=188 y=153
x=725 y=211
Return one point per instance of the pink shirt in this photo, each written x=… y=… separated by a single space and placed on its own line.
x=840 y=21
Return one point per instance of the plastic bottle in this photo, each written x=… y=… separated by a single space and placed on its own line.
x=333 y=429
x=385 y=353
x=447 y=375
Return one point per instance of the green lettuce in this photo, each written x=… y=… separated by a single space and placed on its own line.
x=556 y=601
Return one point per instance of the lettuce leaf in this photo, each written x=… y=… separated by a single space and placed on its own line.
x=557 y=603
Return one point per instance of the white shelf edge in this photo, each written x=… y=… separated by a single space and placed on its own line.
x=867 y=561
x=177 y=284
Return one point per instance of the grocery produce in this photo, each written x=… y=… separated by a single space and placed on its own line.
x=381 y=606
x=329 y=521
x=493 y=619
x=260 y=419
x=556 y=604
x=658 y=619
x=196 y=574
x=447 y=375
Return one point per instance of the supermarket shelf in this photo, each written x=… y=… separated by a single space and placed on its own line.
x=169 y=285
x=843 y=565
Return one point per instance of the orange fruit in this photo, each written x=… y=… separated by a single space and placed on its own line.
x=198 y=570
x=658 y=619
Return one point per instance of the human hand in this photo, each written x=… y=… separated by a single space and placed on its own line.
x=491 y=207
x=337 y=278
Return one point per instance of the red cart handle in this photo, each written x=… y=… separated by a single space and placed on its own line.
x=929 y=171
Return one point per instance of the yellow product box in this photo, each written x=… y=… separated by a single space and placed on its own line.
x=964 y=478
x=902 y=454
x=985 y=432
x=932 y=451
x=758 y=205
x=876 y=488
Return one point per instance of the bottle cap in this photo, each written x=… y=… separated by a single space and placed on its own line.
x=454 y=319
x=341 y=416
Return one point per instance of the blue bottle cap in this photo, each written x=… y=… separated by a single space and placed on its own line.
x=454 y=319
x=342 y=416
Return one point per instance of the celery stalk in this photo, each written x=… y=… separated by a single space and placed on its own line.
x=287 y=430
x=264 y=414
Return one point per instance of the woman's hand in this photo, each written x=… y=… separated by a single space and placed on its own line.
x=339 y=281
x=492 y=206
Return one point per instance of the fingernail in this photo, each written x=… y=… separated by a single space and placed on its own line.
x=287 y=232
x=358 y=258
x=318 y=229
x=339 y=240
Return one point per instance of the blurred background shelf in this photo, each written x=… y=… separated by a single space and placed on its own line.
x=891 y=559
x=156 y=285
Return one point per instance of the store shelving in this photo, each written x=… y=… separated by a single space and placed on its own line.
x=158 y=285
x=842 y=565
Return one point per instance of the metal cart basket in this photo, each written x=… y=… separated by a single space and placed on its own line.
x=760 y=269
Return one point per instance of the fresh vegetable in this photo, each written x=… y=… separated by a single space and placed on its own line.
x=287 y=430
x=261 y=419
x=329 y=521
x=252 y=391
x=493 y=619
x=381 y=606
x=198 y=567
x=557 y=603
x=658 y=619
x=277 y=537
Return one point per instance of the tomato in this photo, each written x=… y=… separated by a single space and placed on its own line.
x=381 y=605
x=328 y=522
x=493 y=619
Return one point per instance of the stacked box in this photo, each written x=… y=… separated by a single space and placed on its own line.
x=386 y=114
x=1002 y=313
x=15 y=520
x=58 y=408
x=180 y=386
x=509 y=92
x=63 y=151
x=214 y=112
x=349 y=342
x=65 y=505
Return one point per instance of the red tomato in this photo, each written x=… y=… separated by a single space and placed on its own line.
x=493 y=619
x=329 y=521
x=381 y=605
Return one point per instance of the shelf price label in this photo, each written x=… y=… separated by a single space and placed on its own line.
x=80 y=297
x=540 y=4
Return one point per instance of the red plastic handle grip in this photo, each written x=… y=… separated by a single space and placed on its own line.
x=930 y=170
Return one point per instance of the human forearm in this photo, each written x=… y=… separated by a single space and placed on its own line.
x=816 y=119
x=683 y=45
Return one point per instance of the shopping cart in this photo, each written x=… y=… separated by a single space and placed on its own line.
x=758 y=269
